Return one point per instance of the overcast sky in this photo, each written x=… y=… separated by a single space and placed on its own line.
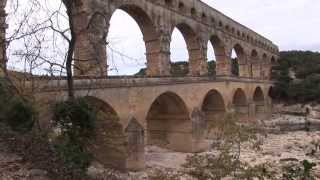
x=291 y=24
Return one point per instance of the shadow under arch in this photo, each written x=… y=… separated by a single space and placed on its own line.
x=214 y=109
x=240 y=104
x=259 y=100
x=194 y=47
x=213 y=105
x=168 y=123
x=109 y=144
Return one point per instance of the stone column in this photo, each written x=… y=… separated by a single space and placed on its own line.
x=90 y=50
x=198 y=61
x=256 y=65
x=223 y=66
x=199 y=128
x=244 y=69
x=135 y=146
x=158 y=55
x=3 y=27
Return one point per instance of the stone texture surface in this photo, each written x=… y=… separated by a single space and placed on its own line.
x=198 y=23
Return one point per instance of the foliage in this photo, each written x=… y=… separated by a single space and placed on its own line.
x=298 y=76
x=15 y=110
x=73 y=154
x=76 y=119
x=179 y=69
x=299 y=171
x=19 y=115
x=231 y=134
x=212 y=68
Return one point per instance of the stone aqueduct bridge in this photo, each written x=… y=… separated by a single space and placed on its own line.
x=162 y=110
x=198 y=23
x=168 y=112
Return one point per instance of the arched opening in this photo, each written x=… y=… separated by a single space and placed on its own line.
x=272 y=69
x=168 y=123
x=214 y=109
x=254 y=55
x=109 y=144
x=237 y=59
x=122 y=58
x=264 y=57
x=258 y=99
x=211 y=60
x=213 y=105
x=273 y=60
x=179 y=55
x=255 y=64
x=240 y=104
x=215 y=55
x=185 y=50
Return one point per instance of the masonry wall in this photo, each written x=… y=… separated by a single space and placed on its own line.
x=198 y=23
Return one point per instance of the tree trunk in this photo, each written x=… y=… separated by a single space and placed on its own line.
x=69 y=4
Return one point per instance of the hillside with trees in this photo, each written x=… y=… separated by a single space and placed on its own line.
x=298 y=77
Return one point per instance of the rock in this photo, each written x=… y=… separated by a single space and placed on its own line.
x=38 y=174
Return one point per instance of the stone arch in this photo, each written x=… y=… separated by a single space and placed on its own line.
x=264 y=57
x=213 y=105
x=238 y=62
x=109 y=144
x=168 y=123
x=271 y=93
x=254 y=55
x=259 y=101
x=214 y=109
x=220 y=54
x=151 y=37
x=194 y=46
x=240 y=104
x=273 y=60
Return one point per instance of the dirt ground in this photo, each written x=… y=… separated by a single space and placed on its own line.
x=275 y=149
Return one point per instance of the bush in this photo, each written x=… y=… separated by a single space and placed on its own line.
x=73 y=154
x=301 y=170
x=18 y=113
x=76 y=119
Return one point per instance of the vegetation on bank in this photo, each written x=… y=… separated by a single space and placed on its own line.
x=64 y=156
x=16 y=111
x=297 y=77
x=180 y=69
x=75 y=120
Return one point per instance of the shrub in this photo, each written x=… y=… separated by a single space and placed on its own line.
x=17 y=112
x=73 y=154
x=301 y=170
x=76 y=119
x=20 y=115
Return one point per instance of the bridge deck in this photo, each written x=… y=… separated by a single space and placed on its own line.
x=53 y=84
